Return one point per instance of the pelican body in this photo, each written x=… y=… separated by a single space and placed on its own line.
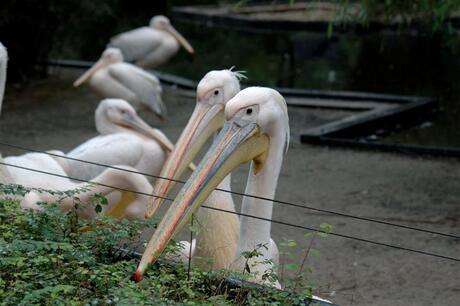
x=256 y=130
x=125 y=139
x=129 y=205
x=218 y=236
x=37 y=161
x=3 y=65
x=110 y=77
x=152 y=46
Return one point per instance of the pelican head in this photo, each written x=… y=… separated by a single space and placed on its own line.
x=117 y=115
x=214 y=90
x=109 y=56
x=256 y=129
x=162 y=23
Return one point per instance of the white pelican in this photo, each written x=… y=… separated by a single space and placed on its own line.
x=110 y=77
x=3 y=64
x=257 y=130
x=151 y=46
x=125 y=139
x=37 y=161
x=217 y=240
x=130 y=205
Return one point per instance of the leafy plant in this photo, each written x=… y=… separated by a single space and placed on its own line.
x=297 y=282
x=47 y=259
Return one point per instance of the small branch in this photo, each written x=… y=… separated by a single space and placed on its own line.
x=189 y=263
x=304 y=260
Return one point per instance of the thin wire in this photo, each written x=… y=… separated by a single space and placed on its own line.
x=254 y=217
x=343 y=236
x=243 y=194
x=90 y=162
x=84 y=181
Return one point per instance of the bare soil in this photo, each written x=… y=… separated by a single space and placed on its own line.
x=410 y=190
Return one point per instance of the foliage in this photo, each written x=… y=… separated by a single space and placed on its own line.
x=297 y=283
x=432 y=12
x=435 y=11
x=46 y=258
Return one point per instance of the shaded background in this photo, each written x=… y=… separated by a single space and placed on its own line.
x=412 y=62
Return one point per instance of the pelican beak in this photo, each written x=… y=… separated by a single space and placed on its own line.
x=204 y=121
x=159 y=108
x=117 y=211
x=136 y=123
x=235 y=145
x=102 y=62
x=180 y=39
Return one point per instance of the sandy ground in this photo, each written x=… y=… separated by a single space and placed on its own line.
x=420 y=192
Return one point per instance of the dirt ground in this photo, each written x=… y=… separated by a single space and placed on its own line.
x=420 y=192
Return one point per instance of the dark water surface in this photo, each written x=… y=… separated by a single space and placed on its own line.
x=407 y=63
x=385 y=62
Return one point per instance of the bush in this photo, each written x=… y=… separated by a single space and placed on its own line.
x=46 y=258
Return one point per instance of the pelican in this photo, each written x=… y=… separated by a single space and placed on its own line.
x=257 y=130
x=219 y=232
x=3 y=64
x=130 y=205
x=110 y=77
x=125 y=139
x=59 y=181
x=152 y=46
x=37 y=161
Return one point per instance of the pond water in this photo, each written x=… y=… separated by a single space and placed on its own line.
x=405 y=63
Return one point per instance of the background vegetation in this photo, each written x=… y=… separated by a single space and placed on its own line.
x=34 y=30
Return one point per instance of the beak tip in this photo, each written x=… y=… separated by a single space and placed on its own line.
x=137 y=276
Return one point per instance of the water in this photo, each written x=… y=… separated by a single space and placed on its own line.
x=386 y=62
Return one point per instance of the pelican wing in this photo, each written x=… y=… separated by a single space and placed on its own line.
x=144 y=85
x=137 y=43
x=40 y=162
x=113 y=149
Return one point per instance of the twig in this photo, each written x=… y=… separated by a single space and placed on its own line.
x=304 y=259
x=189 y=262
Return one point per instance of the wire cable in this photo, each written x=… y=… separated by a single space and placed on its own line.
x=254 y=217
x=301 y=206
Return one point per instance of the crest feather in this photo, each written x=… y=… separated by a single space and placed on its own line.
x=239 y=74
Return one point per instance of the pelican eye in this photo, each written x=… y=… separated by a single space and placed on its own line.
x=216 y=92
x=249 y=111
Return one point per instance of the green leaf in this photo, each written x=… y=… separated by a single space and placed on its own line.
x=292 y=266
x=195 y=228
x=328 y=228
x=315 y=252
